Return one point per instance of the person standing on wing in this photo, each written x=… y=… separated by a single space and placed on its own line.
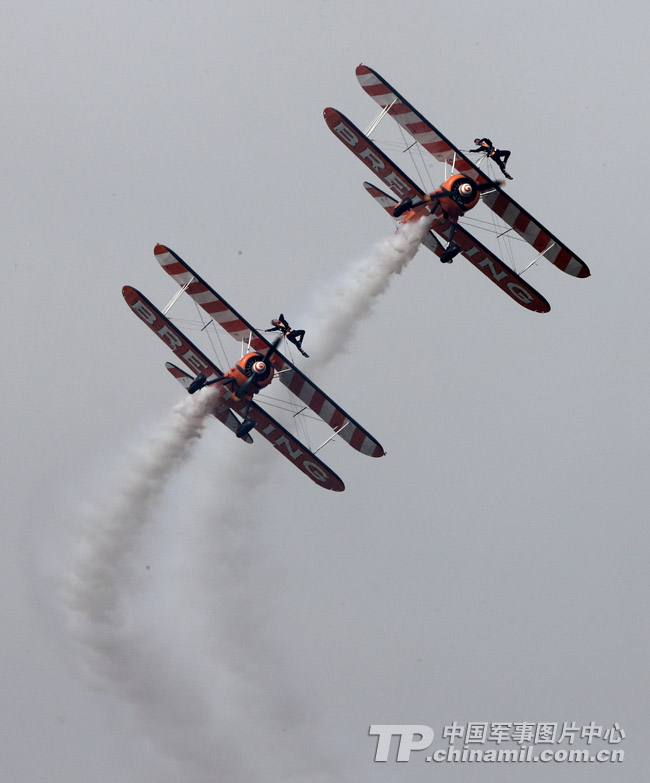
x=293 y=335
x=500 y=157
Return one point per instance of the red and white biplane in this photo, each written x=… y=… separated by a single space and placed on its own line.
x=261 y=361
x=451 y=200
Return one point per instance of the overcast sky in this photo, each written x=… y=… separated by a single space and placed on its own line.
x=245 y=624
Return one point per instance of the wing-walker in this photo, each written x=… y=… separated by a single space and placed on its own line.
x=234 y=390
x=453 y=199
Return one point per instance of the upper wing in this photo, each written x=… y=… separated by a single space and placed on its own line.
x=443 y=150
x=412 y=121
x=298 y=383
x=535 y=234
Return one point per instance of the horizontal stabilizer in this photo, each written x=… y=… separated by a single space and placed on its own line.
x=226 y=417
x=181 y=376
x=388 y=203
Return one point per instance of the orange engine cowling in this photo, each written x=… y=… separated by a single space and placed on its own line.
x=458 y=194
x=251 y=373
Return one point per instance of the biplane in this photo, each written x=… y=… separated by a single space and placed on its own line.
x=450 y=201
x=234 y=390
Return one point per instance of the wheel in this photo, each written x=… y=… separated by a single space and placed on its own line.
x=450 y=253
x=244 y=428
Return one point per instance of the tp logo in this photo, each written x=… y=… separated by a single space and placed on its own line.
x=410 y=738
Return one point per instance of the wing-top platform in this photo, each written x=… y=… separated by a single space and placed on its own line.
x=512 y=213
x=218 y=309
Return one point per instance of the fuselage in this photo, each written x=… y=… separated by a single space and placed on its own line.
x=452 y=199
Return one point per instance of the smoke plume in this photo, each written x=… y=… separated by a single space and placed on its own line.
x=200 y=701
x=338 y=309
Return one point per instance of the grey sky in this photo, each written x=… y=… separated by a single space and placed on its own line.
x=492 y=567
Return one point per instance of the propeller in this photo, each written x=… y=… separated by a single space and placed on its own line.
x=462 y=192
x=259 y=368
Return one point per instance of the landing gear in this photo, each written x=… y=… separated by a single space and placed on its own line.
x=450 y=253
x=247 y=425
x=244 y=428
x=453 y=248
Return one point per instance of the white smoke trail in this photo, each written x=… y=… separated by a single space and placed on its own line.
x=198 y=710
x=229 y=550
x=235 y=587
x=214 y=676
x=337 y=311
x=99 y=586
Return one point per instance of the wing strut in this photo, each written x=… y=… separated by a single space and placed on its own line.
x=331 y=437
x=176 y=297
x=528 y=266
x=378 y=119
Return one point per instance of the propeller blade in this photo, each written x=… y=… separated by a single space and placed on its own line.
x=272 y=349
x=487 y=185
x=266 y=360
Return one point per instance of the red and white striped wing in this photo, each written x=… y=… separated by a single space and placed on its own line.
x=477 y=254
x=368 y=152
x=535 y=234
x=443 y=150
x=496 y=271
x=216 y=307
x=298 y=383
x=185 y=350
x=291 y=448
x=414 y=123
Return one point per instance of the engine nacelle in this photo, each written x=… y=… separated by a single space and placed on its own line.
x=253 y=372
x=458 y=194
